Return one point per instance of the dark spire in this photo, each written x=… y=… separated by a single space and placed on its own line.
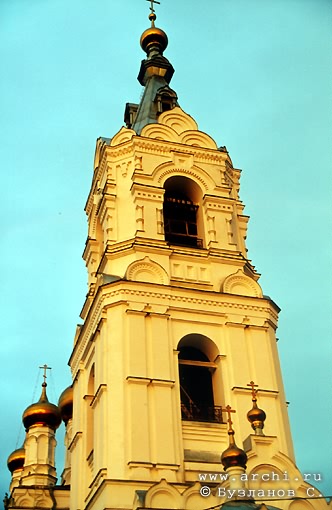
x=155 y=75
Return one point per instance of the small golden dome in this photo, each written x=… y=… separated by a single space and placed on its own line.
x=42 y=413
x=233 y=456
x=65 y=404
x=16 y=459
x=256 y=417
x=154 y=36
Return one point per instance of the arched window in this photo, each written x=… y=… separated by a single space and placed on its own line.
x=166 y=99
x=196 y=373
x=181 y=212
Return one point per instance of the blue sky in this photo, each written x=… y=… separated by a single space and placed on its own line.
x=256 y=76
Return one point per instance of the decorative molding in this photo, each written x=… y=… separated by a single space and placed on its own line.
x=201 y=154
x=191 y=173
x=99 y=152
x=198 y=139
x=100 y=476
x=138 y=165
x=124 y=167
x=73 y=444
x=122 y=136
x=121 y=294
x=33 y=497
x=148 y=145
x=161 y=132
x=146 y=270
x=139 y=464
x=162 y=382
x=261 y=391
x=178 y=120
x=163 y=488
x=178 y=128
x=144 y=381
x=145 y=192
x=100 y=390
x=241 y=284
x=139 y=211
x=183 y=160
x=193 y=272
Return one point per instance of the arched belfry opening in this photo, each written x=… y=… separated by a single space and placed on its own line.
x=200 y=389
x=183 y=223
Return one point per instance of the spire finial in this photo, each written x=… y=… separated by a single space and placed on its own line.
x=253 y=390
x=229 y=411
x=45 y=368
x=152 y=2
x=152 y=15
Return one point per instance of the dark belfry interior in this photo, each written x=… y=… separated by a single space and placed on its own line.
x=180 y=219
x=197 y=403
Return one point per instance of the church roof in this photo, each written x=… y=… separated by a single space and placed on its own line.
x=246 y=505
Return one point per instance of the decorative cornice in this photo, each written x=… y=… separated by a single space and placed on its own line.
x=244 y=391
x=204 y=154
x=100 y=475
x=146 y=192
x=146 y=381
x=143 y=381
x=122 y=291
x=150 y=145
x=86 y=331
x=162 y=382
x=217 y=202
x=74 y=441
x=124 y=149
x=100 y=390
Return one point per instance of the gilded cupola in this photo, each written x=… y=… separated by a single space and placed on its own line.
x=15 y=461
x=42 y=413
x=65 y=404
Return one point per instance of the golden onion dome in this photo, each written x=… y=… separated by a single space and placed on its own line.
x=65 y=404
x=233 y=456
x=16 y=459
x=42 y=413
x=256 y=417
x=153 y=36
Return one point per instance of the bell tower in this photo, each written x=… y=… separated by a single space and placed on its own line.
x=177 y=344
x=175 y=323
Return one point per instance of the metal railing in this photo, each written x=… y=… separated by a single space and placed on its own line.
x=184 y=240
x=191 y=412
